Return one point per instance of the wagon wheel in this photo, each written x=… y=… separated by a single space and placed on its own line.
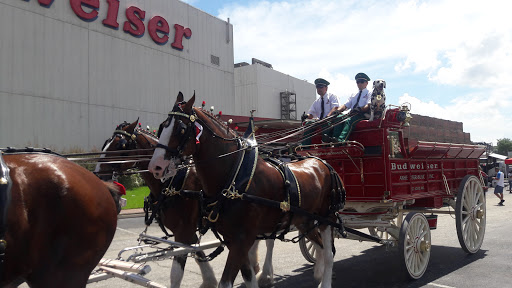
x=415 y=244
x=470 y=214
x=308 y=249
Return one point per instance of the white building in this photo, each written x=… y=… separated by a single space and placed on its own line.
x=71 y=72
x=259 y=87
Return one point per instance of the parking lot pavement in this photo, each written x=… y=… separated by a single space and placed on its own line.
x=361 y=264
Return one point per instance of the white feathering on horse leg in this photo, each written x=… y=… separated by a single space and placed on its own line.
x=265 y=277
x=328 y=258
x=176 y=274
x=209 y=280
x=319 y=268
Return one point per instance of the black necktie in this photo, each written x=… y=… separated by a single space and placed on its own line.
x=322 y=114
x=358 y=97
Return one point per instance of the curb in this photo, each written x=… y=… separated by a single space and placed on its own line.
x=131 y=213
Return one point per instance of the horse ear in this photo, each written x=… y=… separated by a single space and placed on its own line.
x=130 y=128
x=190 y=103
x=179 y=98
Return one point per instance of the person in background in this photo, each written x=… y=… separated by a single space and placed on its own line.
x=321 y=108
x=359 y=103
x=498 y=190
x=510 y=181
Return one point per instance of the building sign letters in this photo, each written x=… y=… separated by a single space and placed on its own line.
x=157 y=27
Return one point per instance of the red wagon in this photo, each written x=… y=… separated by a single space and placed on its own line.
x=396 y=188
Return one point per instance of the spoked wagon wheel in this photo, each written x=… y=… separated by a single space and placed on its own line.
x=470 y=214
x=308 y=249
x=414 y=244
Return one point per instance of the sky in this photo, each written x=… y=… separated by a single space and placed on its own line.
x=448 y=59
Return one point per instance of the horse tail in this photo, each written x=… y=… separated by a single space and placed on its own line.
x=116 y=190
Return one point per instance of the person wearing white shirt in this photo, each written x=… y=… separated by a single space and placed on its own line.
x=324 y=106
x=498 y=190
x=359 y=103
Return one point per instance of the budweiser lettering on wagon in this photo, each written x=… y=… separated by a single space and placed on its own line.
x=414 y=166
x=158 y=28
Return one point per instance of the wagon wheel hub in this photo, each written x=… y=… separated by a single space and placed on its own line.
x=476 y=213
x=479 y=214
x=425 y=246
x=421 y=245
x=472 y=213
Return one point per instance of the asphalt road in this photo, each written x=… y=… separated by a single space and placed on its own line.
x=361 y=264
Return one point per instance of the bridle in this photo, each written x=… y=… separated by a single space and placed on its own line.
x=186 y=130
x=127 y=142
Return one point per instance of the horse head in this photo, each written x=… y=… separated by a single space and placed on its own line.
x=182 y=135
x=125 y=139
x=175 y=134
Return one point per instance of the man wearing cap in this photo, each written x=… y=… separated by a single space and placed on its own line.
x=359 y=103
x=322 y=107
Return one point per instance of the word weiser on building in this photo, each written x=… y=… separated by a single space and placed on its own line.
x=71 y=70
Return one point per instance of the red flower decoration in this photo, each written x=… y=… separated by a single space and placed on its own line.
x=122 y=190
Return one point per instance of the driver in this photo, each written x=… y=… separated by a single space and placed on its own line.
x=321 y=108
x=359 y=103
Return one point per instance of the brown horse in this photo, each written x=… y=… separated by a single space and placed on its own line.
x=60 y=221
x=216 y=150
x=182 y=216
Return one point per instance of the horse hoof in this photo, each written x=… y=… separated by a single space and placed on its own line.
x=208 y=285
x=265 y=282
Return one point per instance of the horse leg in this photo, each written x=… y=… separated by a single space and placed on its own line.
x=253 y=256
x=266 y=276
x=319 y=267
x=177 y=270
x=238 y=260
x=327 y=257
x=249 y=275
x=59 y=277
x=209 y=280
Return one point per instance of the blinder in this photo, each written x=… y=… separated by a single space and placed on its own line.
x=126 y=142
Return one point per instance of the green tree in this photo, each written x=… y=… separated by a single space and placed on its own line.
x=504 y=146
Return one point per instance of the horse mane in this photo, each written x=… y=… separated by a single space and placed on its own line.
x=147 y=133
x=218 y=121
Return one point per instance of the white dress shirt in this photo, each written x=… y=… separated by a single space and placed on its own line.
x=330 y=101
x=365 y=99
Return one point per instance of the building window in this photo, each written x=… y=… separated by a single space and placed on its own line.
x=215 y=60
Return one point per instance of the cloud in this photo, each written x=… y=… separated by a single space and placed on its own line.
x=423 y=36
x=437 y=43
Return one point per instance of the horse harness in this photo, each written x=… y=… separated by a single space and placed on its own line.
x=243 y=172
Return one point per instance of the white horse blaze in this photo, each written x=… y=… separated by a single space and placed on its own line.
x=98 y=165
x=158 y=159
